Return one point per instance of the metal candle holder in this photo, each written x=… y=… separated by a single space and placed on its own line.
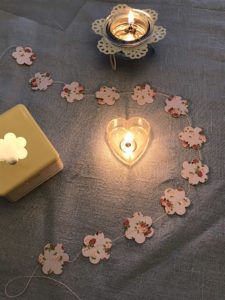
x=126 y=36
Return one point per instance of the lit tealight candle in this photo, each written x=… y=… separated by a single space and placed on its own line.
x=128 y=144
x=129 y=27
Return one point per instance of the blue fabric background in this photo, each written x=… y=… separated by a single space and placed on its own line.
x=185 y=260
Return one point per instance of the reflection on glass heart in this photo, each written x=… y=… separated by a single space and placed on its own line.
x=128 y=139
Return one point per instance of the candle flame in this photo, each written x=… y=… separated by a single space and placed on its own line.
x=130 y=17
x=128 y=137
x=127 y=145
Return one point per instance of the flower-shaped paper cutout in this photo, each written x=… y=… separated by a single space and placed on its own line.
x=53 y=259
x=72 y=92
x=12 y=148
x=194 y=171
x=174 y=201
x=107 y=95
x=97 y=247
x=176 y=106
x=143 y=94
x=24 y=55
x=192 y=137
x=41 y=81
x=138 y=227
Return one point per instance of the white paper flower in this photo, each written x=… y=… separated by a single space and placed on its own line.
x=176 y=106
x=40 y=81
x=24 y=55
x=138 y=227
x=107 y=95
x=192 y=137
x=143 y=94
x=174 y=201
x=53 y=259
x=12 y=148
x=97 y=247
x=72 y=92
x=195 y=171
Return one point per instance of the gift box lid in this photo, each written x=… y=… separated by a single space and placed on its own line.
x=40 y=152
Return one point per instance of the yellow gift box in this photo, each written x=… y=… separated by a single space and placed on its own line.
x=27 y=158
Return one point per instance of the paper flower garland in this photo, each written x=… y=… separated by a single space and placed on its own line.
x=138 y=227
x=192 y=137
x=195 y=172
x=53 y=259
x=143 y=94
x=41 y=81
x=97 y=247
x=24 y=55
x=12 y=148
x=72 y=92
x=176 y=106
x=107 y=95
x=174 y=201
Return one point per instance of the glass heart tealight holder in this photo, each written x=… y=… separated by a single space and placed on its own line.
x=128 y=139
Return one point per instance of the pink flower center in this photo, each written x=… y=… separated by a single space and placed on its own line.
x=143 y=227
x=66 y=90
x=92 y=242
x=126 y=223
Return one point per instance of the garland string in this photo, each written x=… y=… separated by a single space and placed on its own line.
x=58 y=82
x=39 y=277
x=6 y=50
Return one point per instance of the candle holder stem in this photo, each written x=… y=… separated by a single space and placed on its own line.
x=112 y=58
x=127 y=109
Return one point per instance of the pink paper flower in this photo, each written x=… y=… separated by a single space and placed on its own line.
x=143 y=94
x=192 y=137
x=176 y=106
x=53 y=259
x=138 y=227
x=195 y=171
x=40 y=81
x=24 y=55
x=107 y=95
x=72 y=92
x=97 y=247
x=174 y=201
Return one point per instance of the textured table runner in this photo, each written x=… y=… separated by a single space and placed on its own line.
x=185 y=260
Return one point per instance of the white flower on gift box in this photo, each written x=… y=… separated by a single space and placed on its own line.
x=53 y=259
x=97 y=247
x=192 y=137
x=174 y=201
x=72 y=92
x=138 y=227
x=176 y=106
x=24 y=55
x=40 y=81
x=194 y=171
x=143 y=94
x=12 y=148
x=107 y=95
